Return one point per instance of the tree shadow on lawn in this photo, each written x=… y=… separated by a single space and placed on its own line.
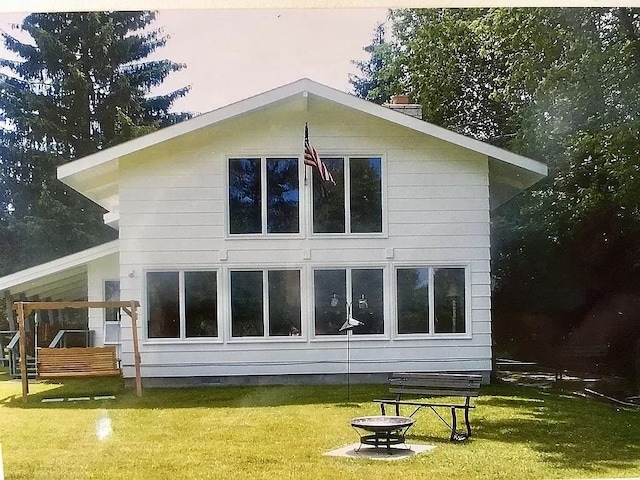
x=191 y=397
x=568 y=432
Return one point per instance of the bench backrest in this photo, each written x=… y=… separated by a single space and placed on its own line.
x=435 y=384
x=77 y=360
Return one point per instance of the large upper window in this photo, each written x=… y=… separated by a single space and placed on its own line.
x=354 y=204
x=182 y=304
x=265 y=303
x=264 y=195
x=360 y=289
x=431 y=300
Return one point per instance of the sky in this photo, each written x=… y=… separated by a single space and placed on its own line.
x=232 y=54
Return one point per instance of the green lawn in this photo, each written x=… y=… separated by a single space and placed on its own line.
x=283 y=432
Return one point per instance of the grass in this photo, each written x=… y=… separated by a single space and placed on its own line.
x=282 y=432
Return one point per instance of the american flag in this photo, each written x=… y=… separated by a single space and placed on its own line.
x=312 y=159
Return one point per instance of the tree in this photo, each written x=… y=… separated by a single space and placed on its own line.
x=380 y=74
x=80 y=84
x=559 y=85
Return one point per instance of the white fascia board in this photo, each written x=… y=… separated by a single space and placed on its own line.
x=429 y=129
x=59 y=265
x=112 y=219
x=201 y=121
x=299 y=87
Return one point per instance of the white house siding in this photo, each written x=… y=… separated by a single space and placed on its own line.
x=99 y=271
x=172 y=217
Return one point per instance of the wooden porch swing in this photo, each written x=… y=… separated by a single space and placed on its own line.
x=76 y=362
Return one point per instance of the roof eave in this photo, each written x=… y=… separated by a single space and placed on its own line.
x=72 y=173
x=20 y=280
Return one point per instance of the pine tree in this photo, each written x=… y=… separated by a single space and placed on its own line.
x=380 y=75
x=82 y=83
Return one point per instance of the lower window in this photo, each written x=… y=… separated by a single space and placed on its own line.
x=431 y=300
x=265 y=303
x=182 y=304
x=112 y=315
x=358 y=289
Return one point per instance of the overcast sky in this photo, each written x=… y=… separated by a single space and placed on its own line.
x=233 y=54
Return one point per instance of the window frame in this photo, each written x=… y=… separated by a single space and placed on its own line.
x=265 y=337
x=383 y=233
x=264 y=197
x=108 y=322
x=467 y=334
x=182 y=307
x=385 y=335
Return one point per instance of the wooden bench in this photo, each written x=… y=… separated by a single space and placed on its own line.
x=78 y=362
x=423 y=387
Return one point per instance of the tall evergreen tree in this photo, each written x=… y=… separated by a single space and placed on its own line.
x=380 y=75
x=561 y=85
x=81 y=83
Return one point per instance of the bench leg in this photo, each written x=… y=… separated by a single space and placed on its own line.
x=466 y=420
x=455 y=436
x=453 y=425
x=382 y=409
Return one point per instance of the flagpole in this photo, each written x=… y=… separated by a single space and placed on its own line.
x=306 y=142
x=348 y=367
x=349 y=325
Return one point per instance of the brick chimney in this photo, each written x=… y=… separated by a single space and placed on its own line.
x=401 y=103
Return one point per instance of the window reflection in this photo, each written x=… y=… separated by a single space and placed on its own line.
x=329 y=200
x=449 y=300
x=413 y=300
x=284 y=303
x=246 y=304
x=330 y=298
x=367 y=286
x=163 y=302
x=361 y=210
x=201 y=310
x=366 y=299
x=245 y=195
x=366 y=194
x=282 y=195
x=421 y=311
x=283 y=315
x=250 y=200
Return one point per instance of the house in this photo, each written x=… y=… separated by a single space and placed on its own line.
x=247 y=265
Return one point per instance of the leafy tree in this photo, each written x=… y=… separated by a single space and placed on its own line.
x=80 y=84
x=584 y=119
x=559 y=85
x=447 y=61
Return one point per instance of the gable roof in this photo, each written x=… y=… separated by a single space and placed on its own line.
x=96 y=175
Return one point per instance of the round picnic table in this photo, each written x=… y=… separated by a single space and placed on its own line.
x=383 y=430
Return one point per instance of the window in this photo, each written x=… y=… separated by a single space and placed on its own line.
x=265 y=301
x=449 y=304
x=431 y=300
x=182 y=304
x=359 y=289
x=200 y=304
x=354 y=204
x=112 y=294
x=264 y=195
x=111 y=315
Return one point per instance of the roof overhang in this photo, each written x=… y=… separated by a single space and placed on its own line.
x=96 y=176
x=61 y=279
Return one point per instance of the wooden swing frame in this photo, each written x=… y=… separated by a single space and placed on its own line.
x=25 y=308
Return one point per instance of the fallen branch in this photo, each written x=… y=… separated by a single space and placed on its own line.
x=611 y=399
